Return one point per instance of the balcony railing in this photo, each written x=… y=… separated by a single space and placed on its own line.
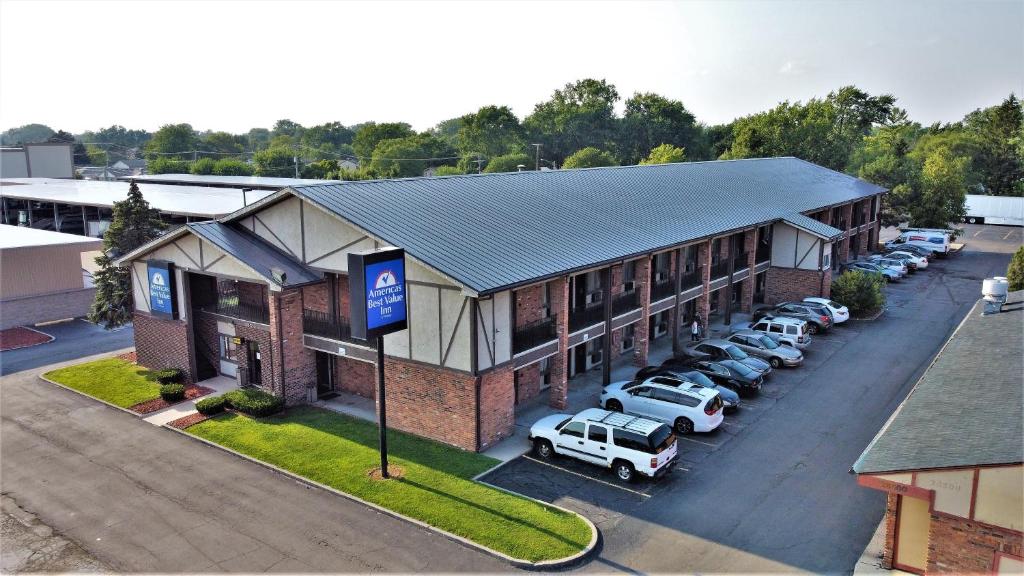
x=740 y=261
x=625 y=302
x=720 y=270
x=230 y=305
x=662 y=290
x=692 y=280
x=321 y=324
x=583 y=317
x=534 y=334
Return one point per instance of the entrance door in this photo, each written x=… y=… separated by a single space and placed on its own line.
x=228 y=355
x=912 y=524
x=255 y=362
x=324 y=385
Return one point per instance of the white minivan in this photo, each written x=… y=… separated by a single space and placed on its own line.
x=937 y=241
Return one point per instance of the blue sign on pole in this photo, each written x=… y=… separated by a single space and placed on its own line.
x=379 y=279
x=162 y=288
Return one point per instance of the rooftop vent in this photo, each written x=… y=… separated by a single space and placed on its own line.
x=993 y=291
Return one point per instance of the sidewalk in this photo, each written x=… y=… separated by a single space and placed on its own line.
x=220 y=385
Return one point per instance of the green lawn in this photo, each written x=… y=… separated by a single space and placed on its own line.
x=119 y=382
x=339 y=451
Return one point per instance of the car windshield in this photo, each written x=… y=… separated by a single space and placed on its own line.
x=836 y=305
x=768 y=342
x=701 y=379
x=661 y=439
x=735 y=353
x=743 y=369
x=562 y=423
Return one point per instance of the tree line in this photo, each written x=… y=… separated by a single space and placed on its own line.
x=928 y=168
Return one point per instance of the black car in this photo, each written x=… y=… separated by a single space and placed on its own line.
x=730 y=373
x=730 y=398
x=917 y=250
x=818 y=318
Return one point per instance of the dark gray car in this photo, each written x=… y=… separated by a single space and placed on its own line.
x=818 y=319
x=767 y=348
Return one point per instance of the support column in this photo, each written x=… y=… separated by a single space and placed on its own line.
x=559 y=392
x=606 y=348
x=56 y=218
x=677 y=283
x=847 y=218
x=643 y=288
x=704 y=264
x=731 y=263
x=747 y=294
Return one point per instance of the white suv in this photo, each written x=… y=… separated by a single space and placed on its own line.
x=626 y=444
x=685 y=406
x=786 y=330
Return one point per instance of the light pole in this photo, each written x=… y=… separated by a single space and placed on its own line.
x=537 y=146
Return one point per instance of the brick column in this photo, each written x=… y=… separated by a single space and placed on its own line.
x=616 y=290
x=292 y=361
x=559 y=391
x=643 y=288
x=723 y=255
x=673 y=317
x=704 y=261
x=847 y=215
x=747 y=288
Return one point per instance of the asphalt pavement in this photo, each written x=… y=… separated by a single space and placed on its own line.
x=72 y=339
x=771 y=490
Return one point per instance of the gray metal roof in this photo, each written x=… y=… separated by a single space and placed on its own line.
x=254 y=182
x=493 y=231
x=966 y=410
x=811 y=225
x=255 y=253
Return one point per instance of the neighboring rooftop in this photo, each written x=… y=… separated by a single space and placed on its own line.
x=254 y=182
x=197 y=201
x=24 y=237
x=966 y=410
x=494 y=231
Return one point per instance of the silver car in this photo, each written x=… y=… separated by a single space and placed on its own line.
x=763 y=346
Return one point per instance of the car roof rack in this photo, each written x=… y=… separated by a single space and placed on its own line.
x=627 y=422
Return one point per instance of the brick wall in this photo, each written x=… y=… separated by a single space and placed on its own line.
x=317 y=297
x=559 y=370
x=251 y=293
x=527 y=382
x=355 y=377
x=161 y=343
x=29 y=310
x=958 y=545
x=497 y=406
x=299 y=363
x=704 y=261
x=433 y=402
x=783 y=284
x=208 y=345
x=747 y=287
x=643 y=287
x=891 y=505
x=529 y=305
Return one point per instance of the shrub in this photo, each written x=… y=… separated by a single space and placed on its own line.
x=172 y=392
x=254 y=402
x=1015 y=272
x=203 y=166
x=212 y=405
x=859 y=291
x=169 y=376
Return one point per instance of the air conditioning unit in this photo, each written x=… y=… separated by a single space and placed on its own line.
x=594 y=297
x=595 y=357
x=627 y=343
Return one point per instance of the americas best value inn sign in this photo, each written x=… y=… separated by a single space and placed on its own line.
x=379 y=277
x=162 y=288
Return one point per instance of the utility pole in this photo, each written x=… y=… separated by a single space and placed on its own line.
x=296 y=160
x=537 y=146
x=479 y=164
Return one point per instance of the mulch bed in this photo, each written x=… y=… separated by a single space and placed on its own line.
x=185 y=422
x=191 y=392
x=21 y=337
x=129 y=357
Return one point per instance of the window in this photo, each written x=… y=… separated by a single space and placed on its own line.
x=667 y=396
x=597 y=434
x=545 y=373
x=716 y=250
x=761 y=326
x=628 y=337
x=546 y=299
x=777 y=328
x=228 y=348
x=631 y=441
x=573 y=429
x=645 y=392
x=629 y=273
x=687 y=400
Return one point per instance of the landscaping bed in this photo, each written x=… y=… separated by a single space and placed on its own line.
x=21 y=337
x=436 y=486
x=191 y=392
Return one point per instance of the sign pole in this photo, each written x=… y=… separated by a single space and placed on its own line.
x=382 y=424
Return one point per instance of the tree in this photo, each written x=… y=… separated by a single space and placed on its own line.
x=859 y=291
x=321 y=169
x=509 y=163
x=258 y=138
x=119 y=138
x=582 y=114
x=491 y=131
x=409 y=156
x=448 y=171
x=943 y=191
x=1015 y=272
x=173 y=141
x=589 y=157
x=370 y=134
x=665 y=154
x=164 y=165
x=651 y=120
x=223 y=142
x=27 y=134
x=203 y=166
x=288 y=128
x=275 y=161
x=78 y=150
x=232 y=167
x=133 y=224
x=331 y=136
x=1000 y=130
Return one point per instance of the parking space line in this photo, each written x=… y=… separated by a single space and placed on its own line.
x=1007 y=234
x=976 y=234
x=698 y=441
x=588 y=477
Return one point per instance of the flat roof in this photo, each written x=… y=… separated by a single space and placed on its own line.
x=198 y=201
x=25 y=237
x=966 y=410
x=491 y=232
x=254 y=182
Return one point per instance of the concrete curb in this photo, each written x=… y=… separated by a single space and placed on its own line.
x=875 y=316
x=519 y=563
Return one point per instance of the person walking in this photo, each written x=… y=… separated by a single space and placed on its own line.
x=695 y=330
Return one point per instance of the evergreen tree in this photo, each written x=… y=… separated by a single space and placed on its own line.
x=134 y=223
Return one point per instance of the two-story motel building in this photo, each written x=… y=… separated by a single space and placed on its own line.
x=517 y=282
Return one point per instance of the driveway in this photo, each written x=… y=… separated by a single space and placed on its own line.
x=145 y=499
x=771 y=490
x=73 y=339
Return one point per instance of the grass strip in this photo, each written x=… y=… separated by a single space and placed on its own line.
x=114 y=380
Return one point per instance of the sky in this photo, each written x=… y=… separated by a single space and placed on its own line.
x=236 y=65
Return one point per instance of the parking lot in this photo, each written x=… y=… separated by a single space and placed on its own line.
x=770 y=489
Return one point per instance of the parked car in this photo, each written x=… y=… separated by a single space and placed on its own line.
x=685 y=406
x=818 y=319
x=629 y=445
x=935 y=240
x=926 y=253
x=790 y=331
x=890 y=263
x=763 y=346
x=871 y=268
x=717 y=349
x=918 y=262
x=730 y=399
x=839 y=312
x=740 y=377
